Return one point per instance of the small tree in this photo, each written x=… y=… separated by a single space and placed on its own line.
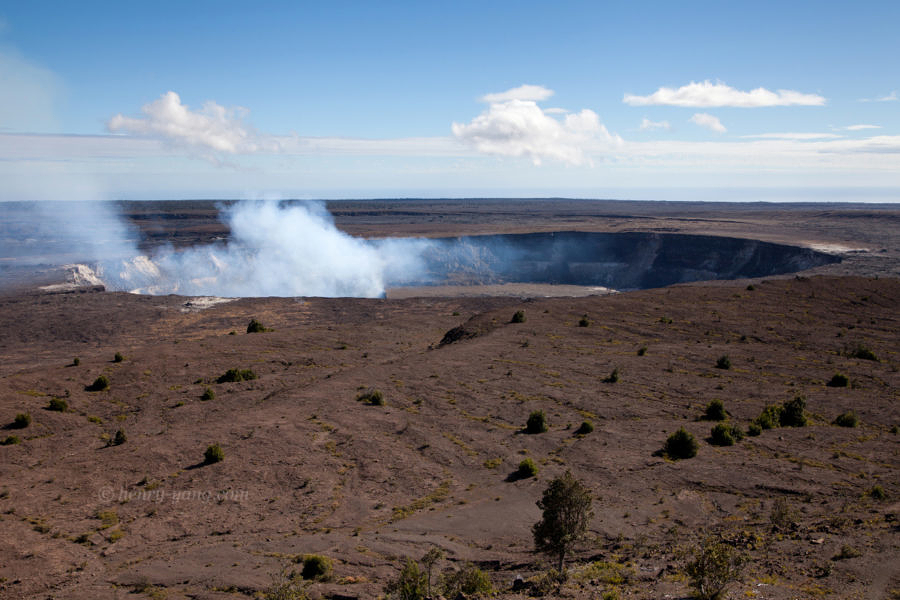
x=429 y=560
x=536 y=423
x=713 y=566
x=567 y=511
x=715 y=411
x=410 y=585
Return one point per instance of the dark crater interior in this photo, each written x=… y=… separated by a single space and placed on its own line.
x=623 y=261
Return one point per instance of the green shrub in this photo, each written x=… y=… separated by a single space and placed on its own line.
x=286 y=585
x=411 y=584
x=642 y=351
x=518 y=317
x=862 y=352
x=10 y=440
x=100 y=384
x=877 y=493
x=782 y=515
x=58 y=405
x=527 y=468
x=584 y=321
x=723 y=362
x=537 y=422
x=120 y=438
x=839 y=380
x=22 y=420
x=316 y=567
x=208 y=394
x=770 y=417
x=751 y=287
x=234 y=375
x=715 y=411
x=712 y=567
x=586 y=428
x=847 y=419
x=372 y=397
x=724 y=434
x=468 y=580
x=76 y=361
x=793 y=413
x=256 y=327
x=213 y=454
x=846 y=552
x=681 y=444
x=612 y=377
x=118 y=357
x=754 y=429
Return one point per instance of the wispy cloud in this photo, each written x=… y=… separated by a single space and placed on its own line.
x=514 y=125
x=648 y=125
x=212 y=130
x=860 y=127
x=892 y=97
x=708 y=94
x=709 y=122
x=792 y=136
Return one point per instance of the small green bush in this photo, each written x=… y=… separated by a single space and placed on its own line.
x=754 y=429
x=316 y=567
x=680 y=445
x=793 y=413
x=751 y=287
x=723 y=362
x=518 y=317
x=100 y=384
x=642 y=351
x=256 y=327
x=58 y=405
x=877 y=493
x=839 y=380
x=213 y=454
x=22 y=420
x=76 y=361
x=208 y=394
x=715 y=411
x=724 y=434
x=537 y=422
x=118 y=357
x=862 y=352
x=10 y=440
x=120 y=438
x=713 y=566
x=527 y=468
x=468 y=580
x=372 y=397
x=235 y=375
x=584 y=321
x=770 y=417
x=586 y=428
x=411 y=584
x=847 y=419
x=613 y=377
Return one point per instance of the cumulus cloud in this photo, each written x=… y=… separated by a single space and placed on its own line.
x=648 y=125
x=708 y=94
x=708 y=121
x=214 y=129
x=514 y=125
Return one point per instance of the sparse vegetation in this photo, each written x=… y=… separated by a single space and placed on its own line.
x=58 y=405
x=317 y=567
x=877 y=493
x=613 y=377
x=372 y=397
x=213 y=454
x=585 y=428
x=782 y=515
x=642 y=351
x=862 y=352
x=411 y=584
x=681 y=445
x=10 y=440
x=846 y=419
x=567 y=511
x=469 y=580
x=235 y=375
x=76 y=361
x=120 y=438
x=537 y=422
x=753 y=429
x=793 y=413
x=713 y=566
x=22 y=420
x=584 y=321
x=256 y=327
x=724 y=434
x=208 y=394
x=100 y=384
x=518 y=317
x=118 y=357
x=527 y=469
x=715 y=411
x=769 y=418
x=286 y=586
x=846 y=552
x=839 y=380
x=723 y=362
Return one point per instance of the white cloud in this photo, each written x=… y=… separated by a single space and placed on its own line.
x=213 y=130
x=860 y=127
x=648 y=125
x=892 y=97
x=708 y=94
x=514 y=125
x=534 y=93
x=708 y=121
x=792 y=136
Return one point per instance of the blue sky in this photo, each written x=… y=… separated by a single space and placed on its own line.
x=665 y=100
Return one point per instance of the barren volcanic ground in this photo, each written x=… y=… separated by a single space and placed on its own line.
x=308 y=468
